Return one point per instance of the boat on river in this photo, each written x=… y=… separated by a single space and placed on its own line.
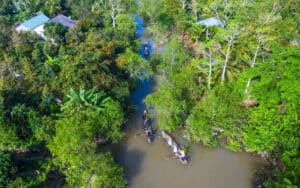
x=177 y=151
x=147 y=127
x=146 y=50
x=149 y=135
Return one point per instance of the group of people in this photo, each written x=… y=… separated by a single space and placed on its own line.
x=177 y=151
x=147 y=127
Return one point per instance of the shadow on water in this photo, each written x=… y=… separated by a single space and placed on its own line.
x=130 y=159
x=143 y=88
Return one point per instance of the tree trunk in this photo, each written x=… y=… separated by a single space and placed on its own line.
x=115 y=11
x=210 y=68
x=183 y=5
x=194 y=7
x=252 y=65
x=230 y=41
x=113 y=21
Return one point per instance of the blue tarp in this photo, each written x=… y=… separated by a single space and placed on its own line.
x=140 y=26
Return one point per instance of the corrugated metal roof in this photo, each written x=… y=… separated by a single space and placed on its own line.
x=35 y=21
x=213 y=21
x=63 y=20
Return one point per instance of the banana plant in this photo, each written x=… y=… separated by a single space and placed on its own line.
x=86 y=98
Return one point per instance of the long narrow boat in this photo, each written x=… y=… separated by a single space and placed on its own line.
x=177 y=151
x=147 y=127
x=148 y=134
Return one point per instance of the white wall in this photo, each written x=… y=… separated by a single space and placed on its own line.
x=40 y=31
x=21 y=28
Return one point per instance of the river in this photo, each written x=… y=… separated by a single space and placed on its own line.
x=150 y=165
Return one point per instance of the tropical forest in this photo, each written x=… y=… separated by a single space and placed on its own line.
x=150 y=93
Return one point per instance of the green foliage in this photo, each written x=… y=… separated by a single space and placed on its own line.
x=52 y=7
x=274 y=123
x=201 y=81
x=36 y=77
x=87 y=119
x=42 y=127
x=5 y=32
x=9 y=138
x=7 y=7
x=97 y=101
x=137 y=67
x=55 y=32
x=101 y=171
x=150 y=11
x=217 y=116
x=126 y=27
x=5 y=165
x=169 y=108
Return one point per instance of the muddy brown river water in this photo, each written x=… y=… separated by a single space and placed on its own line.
x=150 y=165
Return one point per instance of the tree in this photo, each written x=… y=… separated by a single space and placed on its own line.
x=136 y=66
x=150 y=11
x=217 y=116
x=230 y=35
x=53 y=7
x=168 y=107
x=273 y=125
x=55 y=32
x=115 y=10
x=5 y=32
x=74 y=144
x=126 y=27
x=90 y=98
x=7 y=7
x=5 y=167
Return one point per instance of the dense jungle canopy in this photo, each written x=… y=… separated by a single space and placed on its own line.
x=227 y=73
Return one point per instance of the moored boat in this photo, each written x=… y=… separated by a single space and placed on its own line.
x=177 y=151
x=148 y=134
x=147 y=127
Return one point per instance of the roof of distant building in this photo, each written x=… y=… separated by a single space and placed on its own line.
x=64 y=20
x=213 y=21
x=35 y=21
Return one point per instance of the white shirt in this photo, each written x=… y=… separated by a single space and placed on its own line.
x=175 y=150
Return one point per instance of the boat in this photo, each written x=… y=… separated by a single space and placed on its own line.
x=175 y=148
x=148 y=134
x=147 y=127
x=146 y=50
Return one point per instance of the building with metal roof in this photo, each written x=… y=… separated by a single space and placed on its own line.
x=64 y=21
x=35 y=24
x=209 y=22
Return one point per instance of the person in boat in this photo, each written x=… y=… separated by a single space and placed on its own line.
x=182 y=157
x=167 y=138
x=175 y=149
x=148 y=134
x=147 y=123
x=145 y=115
x=169 y=141
x=146 y=50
